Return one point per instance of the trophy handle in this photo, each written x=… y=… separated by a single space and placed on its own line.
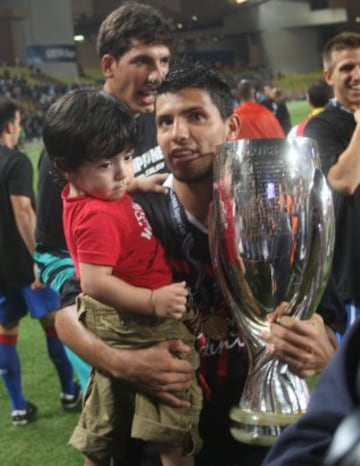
x=320 y=252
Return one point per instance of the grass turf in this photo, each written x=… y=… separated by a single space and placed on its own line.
x=44 y=442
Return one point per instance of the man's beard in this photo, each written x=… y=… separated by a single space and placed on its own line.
x=194 y=178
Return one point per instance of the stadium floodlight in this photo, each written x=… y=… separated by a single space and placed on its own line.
x=79 y=38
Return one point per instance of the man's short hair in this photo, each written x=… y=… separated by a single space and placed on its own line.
x=199 y=76
x=342 y=41
x=129 y=22
x=246 y=90
x=86 y=126
x=319 y=93
x=8 y=109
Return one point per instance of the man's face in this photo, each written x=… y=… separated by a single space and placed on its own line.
x=189 y=128
x=268 y=92
x=136 y=75
x=344 y=76
x=15 y=129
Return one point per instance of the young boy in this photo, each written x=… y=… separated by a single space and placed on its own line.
x=128 y=299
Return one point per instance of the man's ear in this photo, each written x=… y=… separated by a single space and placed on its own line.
x=328 y=76
x=233 y=127
x=107 y=62
x=8 y=127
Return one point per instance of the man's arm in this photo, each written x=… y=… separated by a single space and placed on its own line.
x=340 y=164
x=156 y=370
x=25 y=219
x=344 y=175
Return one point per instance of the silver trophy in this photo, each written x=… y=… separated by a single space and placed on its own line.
x=271 y=240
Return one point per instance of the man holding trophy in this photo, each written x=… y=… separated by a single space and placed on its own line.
x=194 y=116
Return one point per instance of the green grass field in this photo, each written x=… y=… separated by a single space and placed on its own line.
x=44 y=442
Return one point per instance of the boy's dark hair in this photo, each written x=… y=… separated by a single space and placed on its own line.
x=85 y=126
x=342 y=41
x=200 y=76
x=129 y=22
x=8 y=109
x=319 y=94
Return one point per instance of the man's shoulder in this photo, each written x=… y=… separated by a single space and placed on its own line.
x=327 y=117
x=155 y=205
x=167 y=224
x=332 y=120
x=14 y=157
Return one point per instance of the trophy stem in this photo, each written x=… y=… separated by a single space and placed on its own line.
x=273 y=398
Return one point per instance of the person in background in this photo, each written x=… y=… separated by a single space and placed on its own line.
x=194 y=115
x=274 y=101
x=133 y=45
x=20 y=290
x=256 y=121
x=318 y=96
x=337 y=133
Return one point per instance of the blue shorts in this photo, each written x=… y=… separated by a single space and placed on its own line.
x=16 y=304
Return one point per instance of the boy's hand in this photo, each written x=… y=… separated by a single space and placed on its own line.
x=170 y=301
x=152 y=183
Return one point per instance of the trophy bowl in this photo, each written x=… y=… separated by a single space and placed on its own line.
x=271 y=240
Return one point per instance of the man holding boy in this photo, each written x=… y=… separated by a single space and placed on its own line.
x=134 y=48
x=194 y=115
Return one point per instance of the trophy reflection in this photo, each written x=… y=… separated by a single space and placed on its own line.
x=271 y=240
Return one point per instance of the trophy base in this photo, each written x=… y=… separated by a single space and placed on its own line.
x=259 y=428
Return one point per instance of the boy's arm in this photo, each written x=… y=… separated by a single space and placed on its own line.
x=98 y=282
x=156 y=370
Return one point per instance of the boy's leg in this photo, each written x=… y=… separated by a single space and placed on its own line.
x=41 y=304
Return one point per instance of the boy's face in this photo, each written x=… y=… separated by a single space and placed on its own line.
x=105 y=179
x=189 y=128
x=343 y=75
x=136 y=75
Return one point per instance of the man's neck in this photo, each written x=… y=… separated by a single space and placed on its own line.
x=107 y=88
x=195 y=198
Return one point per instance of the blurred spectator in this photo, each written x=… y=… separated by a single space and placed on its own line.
x=318 y=96
x=275 y=102
x=35 y=97
x=256 y=121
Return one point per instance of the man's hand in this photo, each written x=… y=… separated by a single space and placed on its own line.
x=36 y=284
x=357 y=114
x=305 y=345
x=158 y=372
x=152 y=183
